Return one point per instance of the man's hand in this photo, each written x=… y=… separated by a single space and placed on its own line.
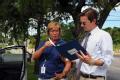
x=86 y=58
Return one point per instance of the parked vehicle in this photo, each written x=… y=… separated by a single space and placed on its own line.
x=13 y=63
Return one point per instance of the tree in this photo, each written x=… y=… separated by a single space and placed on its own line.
x=74 y=8
x=12 y=21
x=15 y=14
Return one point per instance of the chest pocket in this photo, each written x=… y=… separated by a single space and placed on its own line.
x=94 y=46
x=97 y=49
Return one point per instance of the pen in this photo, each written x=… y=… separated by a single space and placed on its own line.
x=51 y=42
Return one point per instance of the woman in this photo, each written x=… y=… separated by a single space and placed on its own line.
x=52 y=65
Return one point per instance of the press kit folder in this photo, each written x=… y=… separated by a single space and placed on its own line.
x=69 y=49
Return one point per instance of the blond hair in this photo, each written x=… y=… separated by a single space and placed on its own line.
x=53 y=24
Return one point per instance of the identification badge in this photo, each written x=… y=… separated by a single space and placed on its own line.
x=43 y=68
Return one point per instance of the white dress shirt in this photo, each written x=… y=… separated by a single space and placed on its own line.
x=99 y=46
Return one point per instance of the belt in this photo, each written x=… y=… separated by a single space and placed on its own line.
x=52 y=79
x=90 y=76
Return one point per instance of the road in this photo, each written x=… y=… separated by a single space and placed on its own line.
x=114 y=70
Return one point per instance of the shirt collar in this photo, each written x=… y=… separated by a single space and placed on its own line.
x=94 y=30
x=60 y=42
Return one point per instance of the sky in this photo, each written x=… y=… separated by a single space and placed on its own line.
x=113 y=20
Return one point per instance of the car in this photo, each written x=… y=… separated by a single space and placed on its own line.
x=13 y=63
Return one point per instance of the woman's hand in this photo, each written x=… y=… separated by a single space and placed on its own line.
x=47 y=44
x=59 y=75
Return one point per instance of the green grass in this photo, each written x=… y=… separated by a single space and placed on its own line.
x=30 y=69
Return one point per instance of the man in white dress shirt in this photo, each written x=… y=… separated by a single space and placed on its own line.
x=99 y=47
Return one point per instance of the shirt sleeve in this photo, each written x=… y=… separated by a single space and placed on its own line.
x=40 y=45
x=107 y=49
x=41 y=59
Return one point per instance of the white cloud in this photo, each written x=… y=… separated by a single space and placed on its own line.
x=117 y=8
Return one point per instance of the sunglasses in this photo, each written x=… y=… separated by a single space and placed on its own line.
x=83 y=23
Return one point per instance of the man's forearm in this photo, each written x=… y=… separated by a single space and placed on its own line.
x=97 y=62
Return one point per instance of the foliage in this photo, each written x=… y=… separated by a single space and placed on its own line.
x=15 y=15
x=66 y=31
x=31 y=42
x=14 y=18
x=104 y=7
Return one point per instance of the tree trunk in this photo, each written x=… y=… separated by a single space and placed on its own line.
x=77 y=31
x=37 y=37
x=104 y=13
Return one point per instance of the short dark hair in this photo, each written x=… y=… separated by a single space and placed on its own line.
x=90 y=13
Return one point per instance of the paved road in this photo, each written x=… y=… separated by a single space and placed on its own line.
x=114 y=70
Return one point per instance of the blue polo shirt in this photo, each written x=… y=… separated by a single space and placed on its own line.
x=50 y=58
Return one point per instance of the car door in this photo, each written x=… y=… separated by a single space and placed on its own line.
x=13 y=63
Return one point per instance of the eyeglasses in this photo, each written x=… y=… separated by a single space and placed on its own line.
x=54 y=30
x=84 y=23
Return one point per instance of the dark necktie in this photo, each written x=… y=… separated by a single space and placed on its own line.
x=79 y=65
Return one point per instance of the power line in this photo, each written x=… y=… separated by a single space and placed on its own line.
x=112 y=20
x=114 y=16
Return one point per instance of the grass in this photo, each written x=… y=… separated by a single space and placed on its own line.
x=30 y=69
